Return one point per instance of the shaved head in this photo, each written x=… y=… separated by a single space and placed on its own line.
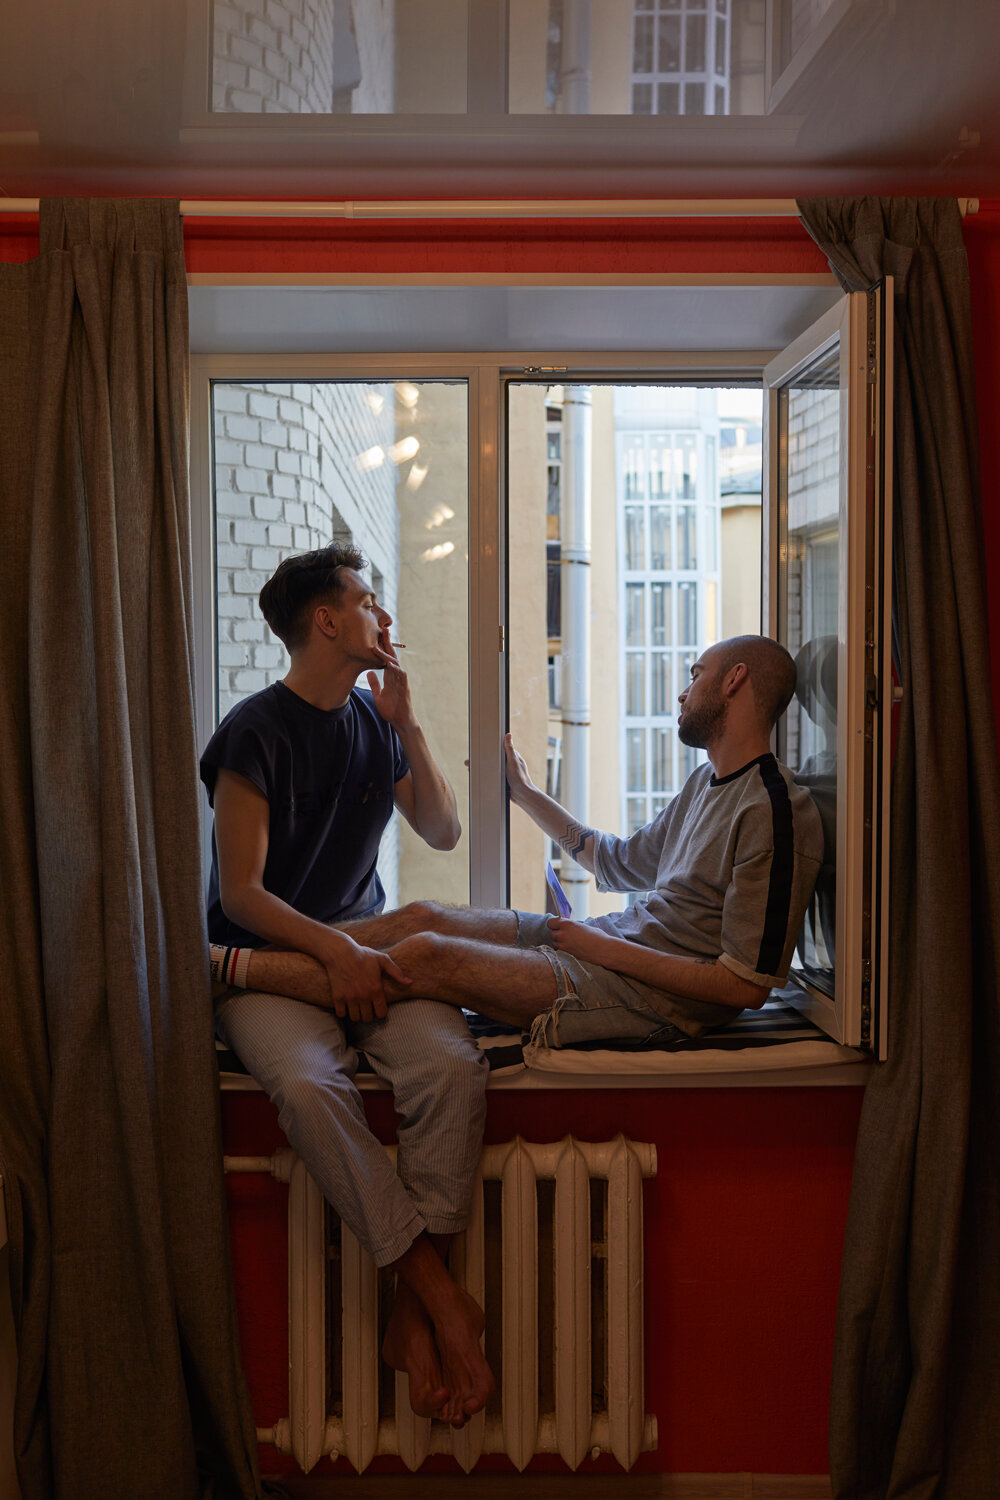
x=769 y=666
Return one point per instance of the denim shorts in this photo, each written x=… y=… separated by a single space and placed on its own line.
x=594 y=1004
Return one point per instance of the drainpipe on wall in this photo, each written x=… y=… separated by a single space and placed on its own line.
x=575 y=627
x=574 y=80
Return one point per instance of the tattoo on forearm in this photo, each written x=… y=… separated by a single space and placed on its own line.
x=574 y=839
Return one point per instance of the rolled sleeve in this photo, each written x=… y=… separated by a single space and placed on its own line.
x=766 y=981
x=628 y=864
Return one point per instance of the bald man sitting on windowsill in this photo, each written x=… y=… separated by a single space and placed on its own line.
x=727 y=869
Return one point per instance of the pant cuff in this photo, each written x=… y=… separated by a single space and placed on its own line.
x=384 y=1255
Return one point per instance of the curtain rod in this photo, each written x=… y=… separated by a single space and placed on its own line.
x=475 y=208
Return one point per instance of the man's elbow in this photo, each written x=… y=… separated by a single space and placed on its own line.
x=237 y=904
x=445 y=838
x=755 y=995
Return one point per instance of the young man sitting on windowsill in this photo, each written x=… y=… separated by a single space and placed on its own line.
x=303 y=777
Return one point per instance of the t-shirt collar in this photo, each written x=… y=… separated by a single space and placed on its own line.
x=758 y=760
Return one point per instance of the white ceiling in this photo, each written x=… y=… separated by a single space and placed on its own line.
x=644 y=319
x=96 y=98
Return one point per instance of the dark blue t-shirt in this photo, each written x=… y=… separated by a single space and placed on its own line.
x=329 y=778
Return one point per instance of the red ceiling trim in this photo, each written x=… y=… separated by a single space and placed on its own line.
x=575 y=246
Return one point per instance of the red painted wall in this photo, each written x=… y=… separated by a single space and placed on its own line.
x=744 y=1226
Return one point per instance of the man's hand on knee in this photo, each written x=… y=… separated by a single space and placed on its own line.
x=422 y=958
x=358 y=978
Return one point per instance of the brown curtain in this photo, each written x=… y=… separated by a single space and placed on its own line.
x=916 y=1380
x=128 y=1381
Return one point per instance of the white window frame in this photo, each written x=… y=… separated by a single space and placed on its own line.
x=857 y=1015
x=486 y=374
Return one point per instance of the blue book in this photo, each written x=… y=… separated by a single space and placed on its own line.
x=558 y=894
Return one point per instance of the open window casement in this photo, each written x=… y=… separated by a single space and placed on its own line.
x=827 y=597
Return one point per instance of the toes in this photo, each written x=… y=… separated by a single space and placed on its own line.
x=431 y=1403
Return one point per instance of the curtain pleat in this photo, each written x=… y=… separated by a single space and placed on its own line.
x=129 y=1381
x=916 y=1379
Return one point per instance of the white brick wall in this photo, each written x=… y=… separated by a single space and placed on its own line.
x=273 y=56
x=813 y=458
x=813 y=509
x=286 y=481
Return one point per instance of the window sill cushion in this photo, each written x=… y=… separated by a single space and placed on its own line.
x=772 y=1047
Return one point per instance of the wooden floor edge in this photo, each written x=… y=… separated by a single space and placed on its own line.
x=744 y=1486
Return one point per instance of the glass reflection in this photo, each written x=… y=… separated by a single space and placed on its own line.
x=809 y=413
x=562 y=57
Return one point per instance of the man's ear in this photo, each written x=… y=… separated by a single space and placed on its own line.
x=735 y=678
x=325 y=621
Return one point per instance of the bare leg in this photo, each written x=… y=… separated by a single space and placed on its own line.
x=509 y=984
x=433 y=1335
x=488 y=925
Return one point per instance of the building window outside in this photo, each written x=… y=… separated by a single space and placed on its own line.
x=681 y=57
x=669 y=546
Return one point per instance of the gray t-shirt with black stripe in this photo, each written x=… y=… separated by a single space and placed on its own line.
x=729 y=866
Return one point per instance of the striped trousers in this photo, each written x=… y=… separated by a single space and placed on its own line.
x=306 y=1058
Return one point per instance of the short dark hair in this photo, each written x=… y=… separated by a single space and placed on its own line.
x=771 y=669
x=299 y=583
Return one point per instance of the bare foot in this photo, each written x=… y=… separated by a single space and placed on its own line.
x=409 y=1346
x=457 y=1322
x=458 y=1327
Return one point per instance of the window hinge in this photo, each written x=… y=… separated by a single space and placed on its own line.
x=501 y=641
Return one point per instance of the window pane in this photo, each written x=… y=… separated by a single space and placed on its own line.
x=383 y=465
x=694 y=61
x=659 y=465
x=659 y=537
x=642 y=98
x=333 y=58
x=669 y=51
x=635 y=614
x=720 y=47
x=652 y=442
x=809 y=586
x=634 y=467
x=635 y=684
x=688 y=468
x=635 y=537
x=694 y=98
x=660 y=634
x=642 y=58
x=668 y=99
x=635 y=740
x=687 y=612
x=687 y=536
x=553 y=494
x=662 y=760
x=662 y=690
